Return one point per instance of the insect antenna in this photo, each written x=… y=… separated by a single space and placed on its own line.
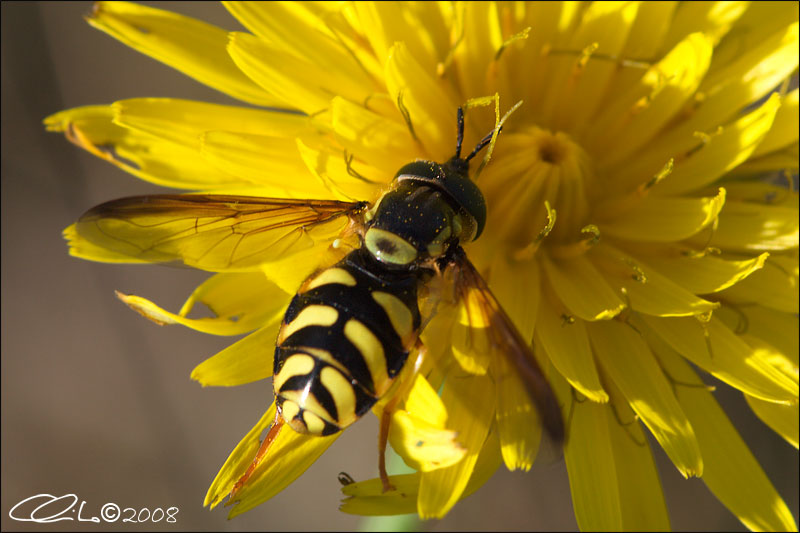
x=460 y=134
x=486 y=140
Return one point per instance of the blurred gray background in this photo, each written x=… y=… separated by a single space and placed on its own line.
x=98 y=402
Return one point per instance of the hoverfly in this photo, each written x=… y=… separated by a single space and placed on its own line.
x=350 y=328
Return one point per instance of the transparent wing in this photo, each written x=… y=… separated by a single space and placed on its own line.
x=211 y=232
x=492 y=329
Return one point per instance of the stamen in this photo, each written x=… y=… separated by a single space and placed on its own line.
x=348 y=161
x=442 y=66
x=516 y=37
x=406 y=115
x=575 y=249
x=530 y=250
x=498 y=127
x=617 y=206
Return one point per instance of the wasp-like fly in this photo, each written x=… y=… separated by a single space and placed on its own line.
x=350 y=328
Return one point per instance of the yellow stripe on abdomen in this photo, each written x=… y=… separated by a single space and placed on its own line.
x=308 y=402
x=343 y=395
x=313 y=315
x=329 y=276
x=298 y=364
x=371 y=350
x=326 y=357
x=399 y=315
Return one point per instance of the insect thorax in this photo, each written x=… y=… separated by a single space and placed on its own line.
x=412 y=223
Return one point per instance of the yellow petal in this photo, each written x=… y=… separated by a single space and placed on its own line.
x=417 y=432
x=602 y=22
x=633 y=118
x=582 y=289
x=751 y=62
x=293 y=27
x=482 y=38
x=567 y=346
x=264 y=161
x=519 y=425
x=424 y=403
x=717 y=350
x=244 y=361
x=760 y=21
x=747 y=226
x=627 y=359
x=184 y=121
x=780 y=328
x=388 y=22
x=191 y=46
x=344 y=179
x=665 y=219
x=646 y=37
x=291 y=455
x=298 y=90
x=471 y=346
x=713 y=18
x=761 y=192
x=785 y=364
x=779 y=160
x=222 y=325
x=776 y=285
x=430 y=110
x=722 y=152
x=375 y=138
x=247 y=297
x=783 y=419
x=646 y=290
x=367 y=497
x=641 y=499
x=550 y=21
x=785 y=127
x=707 y=273
x=470 y=405
x=239 y=459
x=290 y=273
x=146 y=157
x=592 y=473
x=731 y=471
x=748 y=77
x=516 y=284
x=292 y=80
x=423 y=446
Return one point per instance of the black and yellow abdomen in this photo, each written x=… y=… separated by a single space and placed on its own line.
x=344 y=338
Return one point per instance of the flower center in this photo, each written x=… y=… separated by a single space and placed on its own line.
x=552 y=150
x=534 y=167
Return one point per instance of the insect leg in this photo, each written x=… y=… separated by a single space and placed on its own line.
x=383 y=437
x=272 y=434
x=388 y=411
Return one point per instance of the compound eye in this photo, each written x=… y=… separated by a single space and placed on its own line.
x=388 y=247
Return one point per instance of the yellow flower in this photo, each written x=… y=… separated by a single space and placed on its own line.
x=630 y=230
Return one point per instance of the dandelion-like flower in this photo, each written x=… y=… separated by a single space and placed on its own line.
x=630 y=235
